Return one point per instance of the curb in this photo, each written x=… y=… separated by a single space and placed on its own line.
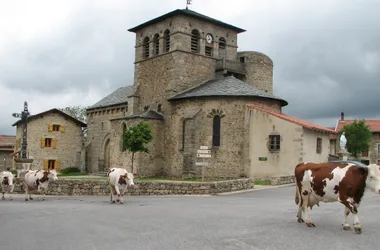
x=260 y=187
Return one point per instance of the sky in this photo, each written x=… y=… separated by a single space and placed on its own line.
x=56 y=54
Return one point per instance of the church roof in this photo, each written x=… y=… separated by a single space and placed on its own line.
x=295 y=120
x=226 y=86
x=189 y=13
x=119 y=96
x=151 y=114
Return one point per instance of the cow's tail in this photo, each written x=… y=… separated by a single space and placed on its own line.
x=297 y=198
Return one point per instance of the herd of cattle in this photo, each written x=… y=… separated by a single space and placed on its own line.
x=38 y=180
x=315 y=183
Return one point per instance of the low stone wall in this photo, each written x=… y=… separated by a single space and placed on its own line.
x=100 y=187
x=278 y=180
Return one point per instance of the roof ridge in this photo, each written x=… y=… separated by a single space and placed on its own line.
x=293 y=119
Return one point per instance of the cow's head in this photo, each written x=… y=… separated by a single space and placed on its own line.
x=7 y=178
x=51 y=175
x=128 y=177
x=373 y=178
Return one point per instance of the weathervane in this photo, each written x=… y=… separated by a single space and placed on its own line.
x=188 y=2
x=24 y=115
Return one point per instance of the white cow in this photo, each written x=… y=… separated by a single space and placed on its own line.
x=119 y=179
x=38 y=180
x=7 y=184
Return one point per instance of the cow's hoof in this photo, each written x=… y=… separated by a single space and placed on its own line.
x=26 y=199
x=112 y=202
x=347 y=228
x=121 y=202
x=358 y=230
x=117 y=200
x=11 y=199
x=310 y=224
x=31 y=198
x=300 y=220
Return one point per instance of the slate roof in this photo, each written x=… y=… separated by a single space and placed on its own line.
x=226 y=86
x=151 y=114
x=190 y=13
x=117 y=97
x=36 y=116
x=294 y=120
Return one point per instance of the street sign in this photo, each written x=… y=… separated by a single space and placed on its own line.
x=203 y=147
x=203 y=156
x=201 y=164
x=203 y=151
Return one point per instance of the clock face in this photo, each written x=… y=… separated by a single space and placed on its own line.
x=209 y=38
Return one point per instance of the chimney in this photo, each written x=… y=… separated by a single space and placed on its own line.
x=342 y=116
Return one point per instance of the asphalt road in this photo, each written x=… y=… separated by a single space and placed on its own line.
x=262 y=219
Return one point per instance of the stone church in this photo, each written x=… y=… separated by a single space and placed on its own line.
x=194 y=88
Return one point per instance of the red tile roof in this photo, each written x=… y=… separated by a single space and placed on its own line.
x=294 y=120
x=374 y=125
x=7 y=142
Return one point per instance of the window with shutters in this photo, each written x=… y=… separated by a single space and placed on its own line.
x=208 y=50
x=156 y=45
x=56 y=127
x=146 y=48
x=48 y=142
x=52 y=164
x=166 y=41
x=274 y=143
x=319 y=145
x=195 y=37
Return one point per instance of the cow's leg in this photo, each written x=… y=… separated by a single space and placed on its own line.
x=117 y=191
x=26 y=191
x=38 y=192
x=112 y=192
x=349 y=204
x=11 y=191
x=121 y=196
x=345 y=225
x=305 y=207
x=300 y=203
x=2 y=190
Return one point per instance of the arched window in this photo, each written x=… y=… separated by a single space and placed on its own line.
x=216 y=131
x=195 y=36
x=166 y=41
x=156 y=45
x=222 y=43
x=123 y=148
x=159 y=108
x=146 y=47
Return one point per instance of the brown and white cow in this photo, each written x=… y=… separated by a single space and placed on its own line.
x=7 y=184
x=38 y=180
x=330 y=182
x=119 y=179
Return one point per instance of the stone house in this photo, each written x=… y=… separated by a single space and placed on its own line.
x=373 y=156
x=7 y=144
x=285 y=141
x=195 y=89
x=54 y=140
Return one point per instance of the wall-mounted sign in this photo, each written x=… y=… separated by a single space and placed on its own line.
x=263 y=158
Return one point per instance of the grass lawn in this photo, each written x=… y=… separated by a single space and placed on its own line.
x=262 y=182
x=79 y=176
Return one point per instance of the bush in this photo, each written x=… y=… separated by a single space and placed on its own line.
x=70 y=170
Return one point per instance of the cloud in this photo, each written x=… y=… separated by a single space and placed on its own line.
x=326 y=53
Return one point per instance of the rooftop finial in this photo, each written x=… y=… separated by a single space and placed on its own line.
x=188 y=2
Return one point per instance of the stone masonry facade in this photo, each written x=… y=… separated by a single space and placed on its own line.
x=53 y=136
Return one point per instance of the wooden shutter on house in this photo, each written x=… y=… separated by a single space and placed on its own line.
x=62 y=129
x=42 y=142
x=53 y=143
x=50 y=127
x=46 y=164
x=57 y=165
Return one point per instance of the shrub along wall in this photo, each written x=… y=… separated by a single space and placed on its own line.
x=100 y=187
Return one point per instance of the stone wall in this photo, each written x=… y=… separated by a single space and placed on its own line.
x=277 y=180
x=100 y=187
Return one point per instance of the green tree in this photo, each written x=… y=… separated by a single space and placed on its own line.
x=136 y=137
x=79 y=113
x=358 y=136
